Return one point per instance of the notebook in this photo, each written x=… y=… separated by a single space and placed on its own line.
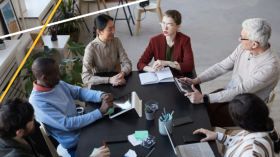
x=164 y=75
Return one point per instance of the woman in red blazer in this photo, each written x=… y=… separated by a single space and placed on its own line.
x=171 y=48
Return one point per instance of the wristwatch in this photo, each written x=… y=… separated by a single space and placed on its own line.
x=176 y=64
x=205 y=98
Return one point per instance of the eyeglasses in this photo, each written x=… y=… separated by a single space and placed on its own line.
x=163 y=24
x=247 y=39
x=242 y=39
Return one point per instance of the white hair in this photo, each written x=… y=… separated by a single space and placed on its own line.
x=259 y=30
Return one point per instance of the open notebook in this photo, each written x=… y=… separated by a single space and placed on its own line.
x=156 y=77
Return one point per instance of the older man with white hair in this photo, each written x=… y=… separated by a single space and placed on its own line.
x=255 y=68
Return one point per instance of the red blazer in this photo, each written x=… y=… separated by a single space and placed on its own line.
x=157 y=47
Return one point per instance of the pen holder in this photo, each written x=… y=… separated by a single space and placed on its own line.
x=161 y=128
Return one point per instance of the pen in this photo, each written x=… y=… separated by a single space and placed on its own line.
x=164 y=111
x=172 y=113
x=163 y=116
x=150 y=152
x=104 y=143
x=167 y=117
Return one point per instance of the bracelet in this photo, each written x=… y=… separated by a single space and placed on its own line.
x=217 y=136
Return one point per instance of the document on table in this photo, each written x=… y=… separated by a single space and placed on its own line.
x=130 y=153
x=133 y=141
x=164 y=75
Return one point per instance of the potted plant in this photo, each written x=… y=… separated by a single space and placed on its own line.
x=150 y=114
x=2 y=44
x=70 y=72
x=65 y=11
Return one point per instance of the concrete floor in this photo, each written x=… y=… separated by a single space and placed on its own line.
x=214 y=27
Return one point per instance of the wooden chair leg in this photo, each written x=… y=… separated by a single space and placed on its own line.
x=227 y=132
x=105 y=6
x=87 y=7
x=98 y=5
x=159 y=14
x=80 y=5
x=138 y=22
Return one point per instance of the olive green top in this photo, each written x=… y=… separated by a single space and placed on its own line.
x=169 y=53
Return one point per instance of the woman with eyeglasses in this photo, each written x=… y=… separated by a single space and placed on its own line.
x=172 y=48
x=103 y=53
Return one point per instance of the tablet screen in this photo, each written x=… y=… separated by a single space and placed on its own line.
x=121 y=104
x=184 y=86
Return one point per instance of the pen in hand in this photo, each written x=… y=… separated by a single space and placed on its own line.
x=104 y=144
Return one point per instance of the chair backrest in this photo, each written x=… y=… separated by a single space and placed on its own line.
x=118 y=67
x=271 y=99
x=47 y=139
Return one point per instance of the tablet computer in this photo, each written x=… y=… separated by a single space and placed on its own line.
x=183 y=87
x=126 y=103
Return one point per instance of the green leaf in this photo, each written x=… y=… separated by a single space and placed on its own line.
x=69 y=60
x=39 y=54
x=29 y=87
x=78 y=68
x=76 y=76
x=26 y=75
x=66 y=78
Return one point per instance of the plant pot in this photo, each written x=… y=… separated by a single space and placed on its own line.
x=150 y=116
x=2 y=46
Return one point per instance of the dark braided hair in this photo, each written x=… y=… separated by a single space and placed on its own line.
x=100 y=23
x=249 y=112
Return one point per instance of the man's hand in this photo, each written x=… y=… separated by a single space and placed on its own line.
x=159 y=65
x=115 y=81
x=107 y=103
x=191 y=81
x=195 y=97
x=101 y=152
x=210 y=135
x=108 y=96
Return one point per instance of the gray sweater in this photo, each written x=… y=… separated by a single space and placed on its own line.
x=251 y=74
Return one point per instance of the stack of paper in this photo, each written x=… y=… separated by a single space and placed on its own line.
x=130 y=153
x=137 y=138
x=133 y=141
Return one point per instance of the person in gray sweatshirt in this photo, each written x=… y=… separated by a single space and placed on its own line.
x=255 y=68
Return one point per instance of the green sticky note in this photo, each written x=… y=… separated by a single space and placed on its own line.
x=141 y=135
x=94 y=150
x=111 y=110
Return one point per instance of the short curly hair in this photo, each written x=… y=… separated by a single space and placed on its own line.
x=14 y=115
x=175 y=15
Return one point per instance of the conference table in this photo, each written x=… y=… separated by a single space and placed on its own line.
x=167 y=95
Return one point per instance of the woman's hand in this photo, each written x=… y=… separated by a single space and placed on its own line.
x=210 y=135
x=117 y=80
x=101 y=152
x=191 y=81
x=159 y=64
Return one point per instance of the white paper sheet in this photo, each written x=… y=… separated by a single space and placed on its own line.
x=148 y=78
x=130 y=153
x=133 y=141
x=165 y=75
